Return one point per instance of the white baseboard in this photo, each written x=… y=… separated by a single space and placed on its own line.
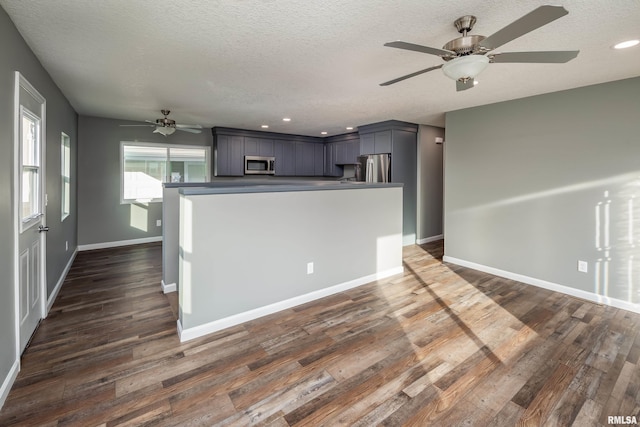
x=589 y=296
x=8 y=382
x=118 y=243
x=171 y=287
x=236 y=319
x=54 y=293
x=429 y=239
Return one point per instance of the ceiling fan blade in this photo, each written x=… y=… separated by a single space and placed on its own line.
x=189 y=130
x=137 y=125
x=419 y=48
x=462 y=85
x=549 y=57
x=529 y=22
x=188 y=126
x=408 y=76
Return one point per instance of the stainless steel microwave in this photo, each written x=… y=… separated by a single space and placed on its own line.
x=259 y=165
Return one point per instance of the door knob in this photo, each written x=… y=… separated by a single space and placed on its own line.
x=42 y=228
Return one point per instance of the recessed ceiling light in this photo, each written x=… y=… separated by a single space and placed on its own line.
x=323 y=133
x=349 y=127
x=626 y=44
x=286 y=119
x=265 y=126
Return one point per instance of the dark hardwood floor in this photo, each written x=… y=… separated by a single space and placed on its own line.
x=440 y=345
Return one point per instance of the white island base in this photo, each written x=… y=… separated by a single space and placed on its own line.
x=251 y=251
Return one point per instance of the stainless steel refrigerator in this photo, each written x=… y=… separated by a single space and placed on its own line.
x=374 y=168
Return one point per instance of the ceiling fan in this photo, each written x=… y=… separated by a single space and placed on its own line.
x=166 y=126
x=467 y=56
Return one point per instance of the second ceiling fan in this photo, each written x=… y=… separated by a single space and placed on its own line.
x=167 y=126
x=465 y=57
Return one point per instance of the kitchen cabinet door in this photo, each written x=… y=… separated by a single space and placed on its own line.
x=285 y=154
x=382 y=142
x=305 y=153
x=251 y=146
x=367 y=143
x=330 y=158
x=229 y=155
x=353 y=151
x=236 y=156
x=376 y=142
x=223 y=148
x=318 y=160
x=265 y=147
x=258 y=147
x=347 y=152
x=341 y=153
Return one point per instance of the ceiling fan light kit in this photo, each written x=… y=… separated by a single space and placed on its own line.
x=164 y=130
x=467 y=56
x=465 y=67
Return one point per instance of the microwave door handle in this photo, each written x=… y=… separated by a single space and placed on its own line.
x=272 y=165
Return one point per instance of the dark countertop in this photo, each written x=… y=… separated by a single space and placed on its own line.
x=232 y=187
x=243 y=182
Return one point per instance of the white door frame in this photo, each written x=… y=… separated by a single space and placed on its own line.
x=21 y=82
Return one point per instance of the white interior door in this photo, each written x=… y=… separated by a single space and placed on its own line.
x=30 y=209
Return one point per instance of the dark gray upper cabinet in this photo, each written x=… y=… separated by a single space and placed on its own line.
x=347 y=152
x=330 y=156
x=382 y=142
x=258 y=147
x=353 y=151
x=318 y=159
x=340 y=150
x=376 y=142
x=295 y=155
x=305 y=157
x=285 y=153
x=251 y=146
x=229 y=155
x=367 y=142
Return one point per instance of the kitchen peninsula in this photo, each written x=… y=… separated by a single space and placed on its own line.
x=246 y=251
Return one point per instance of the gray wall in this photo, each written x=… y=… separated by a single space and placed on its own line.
x=16 y=56
x=527 y=180
x=62 y=238
x=170 y=235
x=403 y=169
x=101 y=217
x=235 y=257
x=429 y=182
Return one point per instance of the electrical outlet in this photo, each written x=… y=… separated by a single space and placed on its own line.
x=309 y=268
x=583 y=266
x=66 y=245
x=159 y=223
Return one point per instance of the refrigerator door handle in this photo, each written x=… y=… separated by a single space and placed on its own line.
x=370 y=166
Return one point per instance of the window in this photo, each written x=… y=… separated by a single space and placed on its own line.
x=146 y=166
x=65 y=175
x=30 y=165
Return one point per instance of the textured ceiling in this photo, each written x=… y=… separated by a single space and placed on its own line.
x=243 y=63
